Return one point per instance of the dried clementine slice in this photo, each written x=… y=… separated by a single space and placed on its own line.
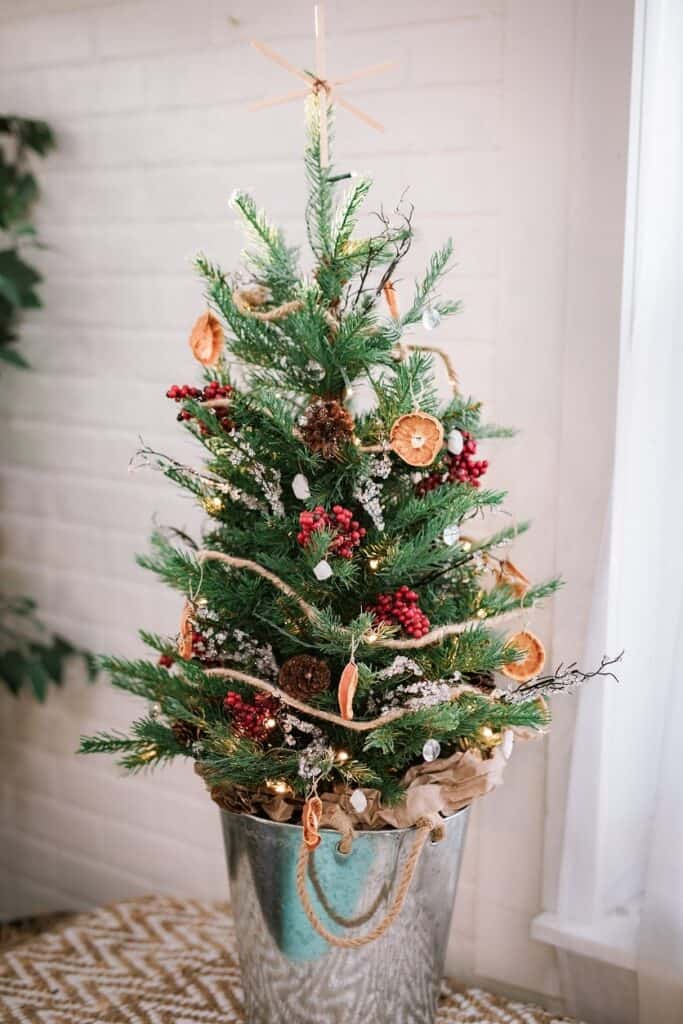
x=512 y=577
x=185 y=633
x=310 y=819
x=532 y=662
x=206 y=339
x=417 y=438
x=348 y=682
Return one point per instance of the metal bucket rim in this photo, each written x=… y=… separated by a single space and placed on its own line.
x=358 y=833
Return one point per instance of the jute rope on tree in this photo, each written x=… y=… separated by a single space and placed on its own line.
x=247 y=301
x=306 y=709
x=424 y=827
x=435 y=636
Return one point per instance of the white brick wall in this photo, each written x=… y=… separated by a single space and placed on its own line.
x=149 y=101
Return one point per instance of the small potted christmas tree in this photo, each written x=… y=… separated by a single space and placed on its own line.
x=349 y=672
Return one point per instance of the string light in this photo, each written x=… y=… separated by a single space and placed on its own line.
x=373 y=564
x=370 y=637
x=278 y=786
x=269 y=723
x=341 y=756
x=213 y=505
x=488 y=737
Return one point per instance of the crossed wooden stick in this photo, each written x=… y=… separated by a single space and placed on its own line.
x=319 y=85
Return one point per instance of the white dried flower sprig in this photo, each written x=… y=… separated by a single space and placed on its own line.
x=314 y=759
x=252 y=651
x=400 y=666
x=368 y=489
x=270 y=480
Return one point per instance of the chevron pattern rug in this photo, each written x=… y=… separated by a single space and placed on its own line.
x=163 y=961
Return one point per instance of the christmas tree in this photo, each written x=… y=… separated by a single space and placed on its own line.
x=341 y=626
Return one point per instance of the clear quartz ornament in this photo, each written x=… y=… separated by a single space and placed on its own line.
x=315 y=369
x=300 y=487
x=323 y=570
x=431 y=318
x=455 y=441
x=451 y=535
x=358 y=801
x=431 y=750
x=155 y=709
x=507 y=743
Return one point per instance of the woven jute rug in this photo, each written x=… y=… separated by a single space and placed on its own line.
x=162 y=961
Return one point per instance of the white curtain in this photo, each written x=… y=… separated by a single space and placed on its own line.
x=624 y=836
x=657 y=388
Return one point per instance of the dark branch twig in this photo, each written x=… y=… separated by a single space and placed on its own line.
x=564 y=678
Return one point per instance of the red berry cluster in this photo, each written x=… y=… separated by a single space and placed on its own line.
x=348 y=533
x=165 y=661
x=256 y=720
x=210 y=391
x=462 y=468
x=198 y=645
x=401 y=607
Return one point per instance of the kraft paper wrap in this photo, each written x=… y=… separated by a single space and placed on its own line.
x=439 y=788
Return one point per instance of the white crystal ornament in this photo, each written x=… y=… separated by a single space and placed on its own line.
x=431 y=750
x=300 y=487
x=323 y=570
x=155 y=709
x=455 y=441
x=431 y=318
x=451 y=535
x=507 y=743
x=358 y=801
x=315 y=369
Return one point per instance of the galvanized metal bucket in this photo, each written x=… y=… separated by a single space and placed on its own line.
x=290 y=975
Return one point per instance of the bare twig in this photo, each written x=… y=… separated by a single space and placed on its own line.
x=563 y=679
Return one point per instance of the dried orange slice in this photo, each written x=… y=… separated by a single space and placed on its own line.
x=348 y=682
x=417 y=438
x=206 y=339
x=310 y=819
x=532 y=662
x=185 y=633
x=512 y=577
x=392 y=301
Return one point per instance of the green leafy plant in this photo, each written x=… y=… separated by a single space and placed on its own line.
x=30 y=657
x=19 y=138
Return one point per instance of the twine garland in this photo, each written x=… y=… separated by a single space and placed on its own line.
x=306 y=709
x=244 y=303
x=435 y=636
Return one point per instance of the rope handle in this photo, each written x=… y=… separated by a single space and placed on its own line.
x=424 y=827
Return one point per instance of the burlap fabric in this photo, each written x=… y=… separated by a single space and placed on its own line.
x=160 y=961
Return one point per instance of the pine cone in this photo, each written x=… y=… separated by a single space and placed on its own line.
x=484 y=680
x=303 y=676
x=186 y=733
x=327 y=426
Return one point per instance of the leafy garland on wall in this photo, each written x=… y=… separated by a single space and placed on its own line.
x=30 y=657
